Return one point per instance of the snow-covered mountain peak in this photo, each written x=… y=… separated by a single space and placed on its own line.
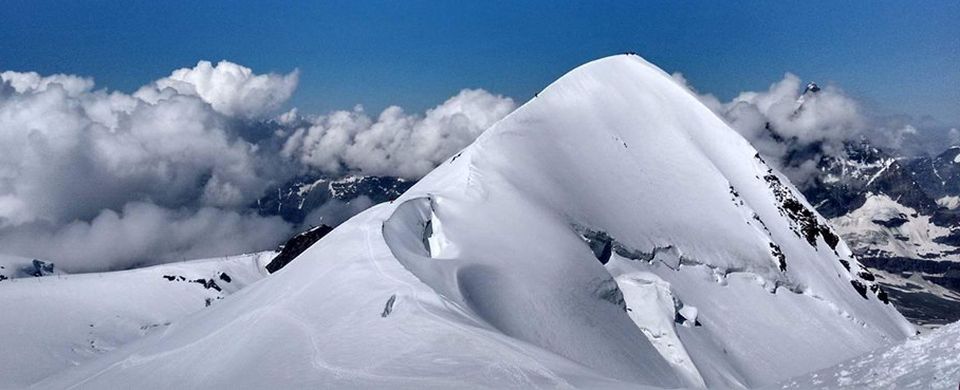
x=810 y=90
x=611 y=231
x=608 y=131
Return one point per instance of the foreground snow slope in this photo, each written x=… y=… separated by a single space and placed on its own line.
x=929 y=361
x=54 y=322
x=712 y=269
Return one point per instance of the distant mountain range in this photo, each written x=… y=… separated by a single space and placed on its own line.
x=295 y=199
x=899 y=214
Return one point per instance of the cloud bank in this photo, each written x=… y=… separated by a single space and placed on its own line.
x=143 y=234
x=794 y=127
x=395 y=143
x=96 y=179
x=67 y=152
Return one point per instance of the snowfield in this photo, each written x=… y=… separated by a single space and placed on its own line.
x=611 y=232
x=52 y=323
x=929 y=361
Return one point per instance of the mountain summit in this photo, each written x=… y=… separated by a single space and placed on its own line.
x=612 y=231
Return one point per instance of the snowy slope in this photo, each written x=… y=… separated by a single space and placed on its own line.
x=929 y=361
x=612 y=231
x=51 y=323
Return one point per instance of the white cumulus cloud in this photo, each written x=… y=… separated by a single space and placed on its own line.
x=395 y=143
x=22 y=82
x=78 y=165
x=67 y=155
x=790 y=128
x=94 y=179
x=784 y=114
x=143 y=233
x=231 y=89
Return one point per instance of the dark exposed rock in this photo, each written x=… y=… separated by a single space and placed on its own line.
x=608 y=291
x=296 y=245
x=860 y=287
x=734 y=192
x=600 y=243
x=605 y=253
x=949 y=281
x=680 y=319
x=828 y=236
x=804 y=221
x=952 y=239
x=38 y=268
x=846 y=264
x=388 y=308
x=881 y=295
x=425 y=236
x=892 y=222
x=946 y=217
x=224 y=277
x=762 y=224
x=778 y=254
x=207 y=284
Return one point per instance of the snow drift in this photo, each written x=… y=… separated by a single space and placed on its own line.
x=928 y=361
x=612 y=231
x=52 y=320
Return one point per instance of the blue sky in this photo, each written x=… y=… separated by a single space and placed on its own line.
x=898 y=57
